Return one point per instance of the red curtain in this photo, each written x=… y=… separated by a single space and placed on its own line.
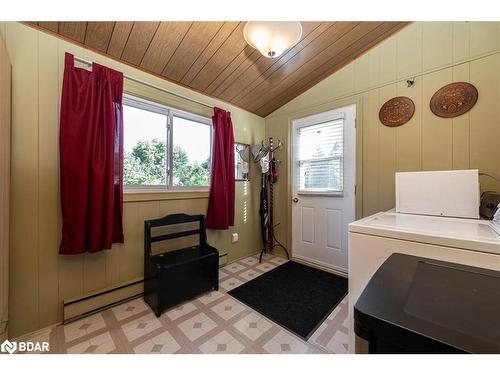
x=91 y=158
x=220 y=214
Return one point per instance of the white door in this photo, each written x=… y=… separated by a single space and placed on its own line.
x=323 y=201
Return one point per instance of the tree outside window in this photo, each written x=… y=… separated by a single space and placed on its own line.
x=146 y=149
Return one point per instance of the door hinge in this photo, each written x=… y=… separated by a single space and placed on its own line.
x=355 y=189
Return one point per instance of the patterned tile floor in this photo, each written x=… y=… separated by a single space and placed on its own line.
x=212 y=323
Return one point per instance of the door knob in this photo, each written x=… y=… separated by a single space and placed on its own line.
x=295 y=200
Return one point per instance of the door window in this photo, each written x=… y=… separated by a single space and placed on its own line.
x=320 y=150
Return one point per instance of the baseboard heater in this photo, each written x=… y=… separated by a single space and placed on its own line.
x=82 y=306
x=88 y=304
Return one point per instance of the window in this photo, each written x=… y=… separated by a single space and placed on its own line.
x=164 y=147
x=191 y=152
x=241 y=161
x=320 y=156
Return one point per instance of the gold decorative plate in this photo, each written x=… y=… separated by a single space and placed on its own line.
x=396 y=111
x=454 y=99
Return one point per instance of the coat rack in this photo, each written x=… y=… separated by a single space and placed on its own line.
x=269 y=178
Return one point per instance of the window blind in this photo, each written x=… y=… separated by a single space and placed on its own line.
x=320 y=157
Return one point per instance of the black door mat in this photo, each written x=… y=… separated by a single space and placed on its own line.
x=295 y=296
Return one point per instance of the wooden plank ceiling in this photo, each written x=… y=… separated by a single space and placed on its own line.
x=213 y=57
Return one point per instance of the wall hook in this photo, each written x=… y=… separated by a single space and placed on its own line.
x=410 y=82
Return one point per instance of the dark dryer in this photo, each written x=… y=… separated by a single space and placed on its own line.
x=421 y=305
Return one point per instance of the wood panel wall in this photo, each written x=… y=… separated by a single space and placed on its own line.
x=434 y=53
x=5 y=83
x=40 y=279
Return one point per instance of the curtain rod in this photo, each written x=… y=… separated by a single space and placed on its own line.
x=89 y=63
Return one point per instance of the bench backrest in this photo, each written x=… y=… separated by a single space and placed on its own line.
x=173 y=219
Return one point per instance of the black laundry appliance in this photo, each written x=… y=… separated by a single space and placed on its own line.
x=421 y=305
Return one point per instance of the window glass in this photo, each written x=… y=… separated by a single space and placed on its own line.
x=145 y=149
x=191 y=152
x=158 y=156
x=320 y=156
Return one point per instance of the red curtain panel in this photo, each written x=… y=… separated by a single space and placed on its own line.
x=91 y=158
x=220 y=214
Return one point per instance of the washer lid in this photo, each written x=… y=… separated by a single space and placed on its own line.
x=467 y=234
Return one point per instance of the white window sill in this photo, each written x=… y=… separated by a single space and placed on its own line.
x=143 y=195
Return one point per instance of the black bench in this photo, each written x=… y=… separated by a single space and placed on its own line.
x=175 y=276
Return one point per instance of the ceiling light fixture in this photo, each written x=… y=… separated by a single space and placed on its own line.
x=272 y=38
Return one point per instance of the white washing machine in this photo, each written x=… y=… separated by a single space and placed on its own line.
x=373 y=239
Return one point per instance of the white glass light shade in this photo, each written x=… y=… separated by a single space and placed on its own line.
x=272 y=38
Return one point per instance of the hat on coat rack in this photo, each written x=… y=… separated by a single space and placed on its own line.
x=258 y=152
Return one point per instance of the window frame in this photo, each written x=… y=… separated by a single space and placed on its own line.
x=170 y=113
x=317 y=119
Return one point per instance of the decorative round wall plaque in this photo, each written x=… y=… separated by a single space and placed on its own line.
x=396 y=111
x=454 y=99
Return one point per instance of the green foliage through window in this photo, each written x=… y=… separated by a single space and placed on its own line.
x=188 y=173
x=146 y=165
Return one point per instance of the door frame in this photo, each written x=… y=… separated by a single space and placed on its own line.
x=358 y=190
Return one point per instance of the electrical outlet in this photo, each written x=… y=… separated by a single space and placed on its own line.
x=234 y=238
